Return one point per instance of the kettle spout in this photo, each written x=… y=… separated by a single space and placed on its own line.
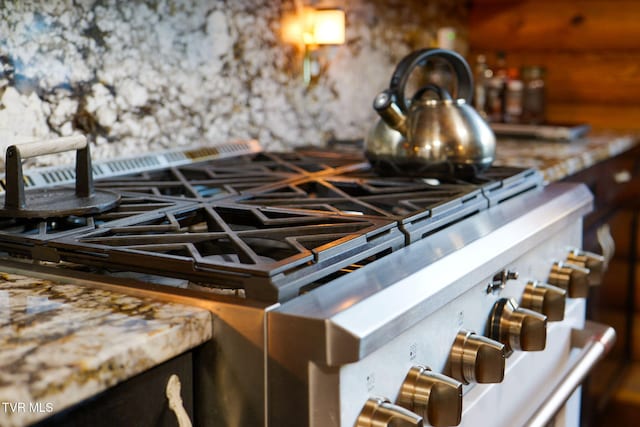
x=390 y=112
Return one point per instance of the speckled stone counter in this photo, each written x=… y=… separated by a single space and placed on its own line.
x=558 y=160
x=62 y=343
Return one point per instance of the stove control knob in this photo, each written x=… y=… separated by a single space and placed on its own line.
x=435 y=397
x=594 y=262
x=572 y=278
x=544 y=298
x=478 y=359
x=380 y=412
x=516 y=327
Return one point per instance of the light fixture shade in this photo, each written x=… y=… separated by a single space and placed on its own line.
x=309 y=28
x=293 y=29
x=326 y=27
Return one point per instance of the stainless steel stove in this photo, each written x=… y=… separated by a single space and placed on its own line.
x=345 y=298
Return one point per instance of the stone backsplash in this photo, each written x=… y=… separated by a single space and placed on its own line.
x=158 y=74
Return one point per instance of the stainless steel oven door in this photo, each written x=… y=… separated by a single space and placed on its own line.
x=593 y=342
x=543 y=389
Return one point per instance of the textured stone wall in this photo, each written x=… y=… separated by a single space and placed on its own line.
x=155 y=74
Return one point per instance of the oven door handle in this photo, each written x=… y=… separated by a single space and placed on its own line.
x=595 y=340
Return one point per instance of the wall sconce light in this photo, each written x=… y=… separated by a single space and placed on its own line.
x=312 y=28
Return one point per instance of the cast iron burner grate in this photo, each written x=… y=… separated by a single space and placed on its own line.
x=419 y=208
x=501 y=183
x=271 y=253
x=223 y=178
x=498 y=183
x=29 y=237
x=272 y=224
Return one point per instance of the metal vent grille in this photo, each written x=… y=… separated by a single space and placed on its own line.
x=175 y=156
x=128 y=165
x=59 y=176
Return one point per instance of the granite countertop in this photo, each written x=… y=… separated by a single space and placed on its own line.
x=559 y=159
x=62 y=343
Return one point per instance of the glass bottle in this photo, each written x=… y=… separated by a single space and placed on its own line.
x=513 y=97
x=533 y=106
x=496 y=90
x=482 y=73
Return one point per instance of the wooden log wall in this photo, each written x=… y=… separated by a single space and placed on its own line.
x=591 y=52
x=590 y=49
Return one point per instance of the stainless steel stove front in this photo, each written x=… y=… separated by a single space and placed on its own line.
x=341 y=354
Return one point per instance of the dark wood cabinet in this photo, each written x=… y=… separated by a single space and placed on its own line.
x=615 y=184
x=139 y=401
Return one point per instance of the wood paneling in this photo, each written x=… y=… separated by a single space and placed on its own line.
x=590 y=49
x=556 y=25
x=599 y=116
x=617 y=320
x=613 y=292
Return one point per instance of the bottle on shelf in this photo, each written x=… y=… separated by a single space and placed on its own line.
x=496 y=87
x=513 y=97
x=533 y=106
x=482 y=74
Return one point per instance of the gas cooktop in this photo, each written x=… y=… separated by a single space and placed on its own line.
x=271 y=225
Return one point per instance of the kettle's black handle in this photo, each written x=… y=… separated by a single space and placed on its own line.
x=405 y=67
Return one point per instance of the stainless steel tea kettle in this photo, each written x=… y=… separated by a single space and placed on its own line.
x=430 y=136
